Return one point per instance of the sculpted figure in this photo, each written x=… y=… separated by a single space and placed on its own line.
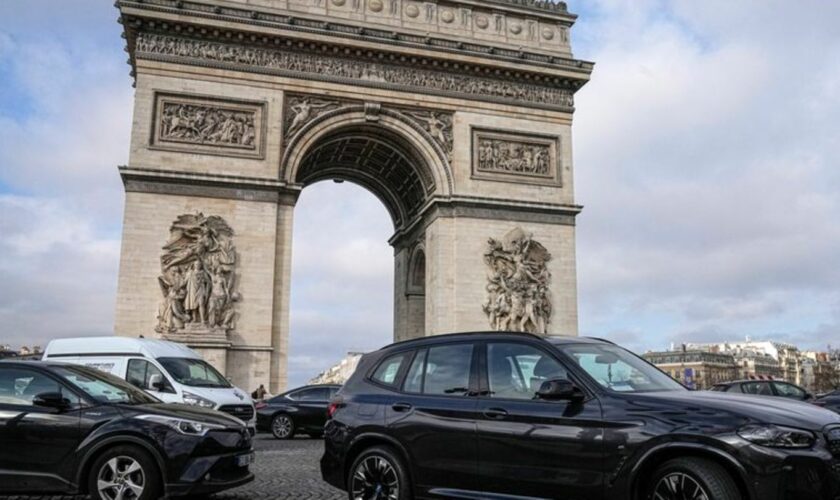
x=196 y=293
x=518 y=283
x=303 y=113
x=197 y=277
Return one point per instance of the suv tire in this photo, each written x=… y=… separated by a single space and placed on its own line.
x=685 y=477
x=378 y=472
x=126 y=471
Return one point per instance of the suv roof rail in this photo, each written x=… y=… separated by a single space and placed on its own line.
x=485 y=332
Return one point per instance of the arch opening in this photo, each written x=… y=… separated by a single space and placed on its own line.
x=377 y=159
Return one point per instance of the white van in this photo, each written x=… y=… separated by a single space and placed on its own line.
x=170 y=371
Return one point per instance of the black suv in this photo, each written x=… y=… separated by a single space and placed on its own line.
x=73 y=429
x=503 y=415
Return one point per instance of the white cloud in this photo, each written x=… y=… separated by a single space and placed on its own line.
x=706 y=157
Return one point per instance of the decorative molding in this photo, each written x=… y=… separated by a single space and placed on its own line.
x=550 y=28
x=516 y=157
x=304 y=111
x=168 y=182
x=198 y=280
x=398 y=75
x=198 y=124
x=518 y=279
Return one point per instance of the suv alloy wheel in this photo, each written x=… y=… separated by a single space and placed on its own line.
x=692 y=479
x=378 y=473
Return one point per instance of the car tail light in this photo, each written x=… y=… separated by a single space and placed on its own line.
x=260 y=405
x=335 y=404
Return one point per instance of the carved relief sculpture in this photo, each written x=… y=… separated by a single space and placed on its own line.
x=357 y=71
x=195 y=124
x=439 y=126
x=518 y=280
x=515 y=157
x=197 y=278
x=301 y=110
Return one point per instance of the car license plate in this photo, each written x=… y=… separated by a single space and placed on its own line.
x=245 y=460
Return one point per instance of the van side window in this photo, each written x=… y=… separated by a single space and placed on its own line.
x=140 y=374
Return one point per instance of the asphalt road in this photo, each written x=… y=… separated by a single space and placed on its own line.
x=283 y=470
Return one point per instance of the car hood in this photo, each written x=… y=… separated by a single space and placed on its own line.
x=222 y=395
x=187 y=412
x=760 y=409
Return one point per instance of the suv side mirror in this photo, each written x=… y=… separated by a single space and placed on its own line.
x=559 y=389
x=53 y=400
x=156 y=383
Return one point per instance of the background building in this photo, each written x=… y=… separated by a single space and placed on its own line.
x=695 y=369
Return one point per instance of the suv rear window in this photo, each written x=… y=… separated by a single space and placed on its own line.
x=387 y=371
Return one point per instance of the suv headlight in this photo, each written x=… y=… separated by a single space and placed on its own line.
x=196 y=400
x=774 y=436
x=188 y=427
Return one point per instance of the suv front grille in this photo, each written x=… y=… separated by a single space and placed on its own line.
x=242 y=412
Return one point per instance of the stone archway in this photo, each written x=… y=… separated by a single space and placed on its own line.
x=457 y=114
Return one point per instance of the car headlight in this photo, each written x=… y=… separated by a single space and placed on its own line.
x=196 y=400
x=184 y=426
x=774 y=436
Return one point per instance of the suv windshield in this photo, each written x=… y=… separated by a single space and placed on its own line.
x=194 y=372
x=617 y=369
x=104 y=387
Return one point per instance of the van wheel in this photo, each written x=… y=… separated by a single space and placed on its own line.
x=692 y=479
x=282 y=426
x=378 y=472
x=125 y=473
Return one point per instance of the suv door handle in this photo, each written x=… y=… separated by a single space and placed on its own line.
x=401 y=407
x=496 y=413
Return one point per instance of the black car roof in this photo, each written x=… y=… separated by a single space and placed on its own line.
x=449 y=337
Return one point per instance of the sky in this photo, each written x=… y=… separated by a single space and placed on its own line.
x=706 y=154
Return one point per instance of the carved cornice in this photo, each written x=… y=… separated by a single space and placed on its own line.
x=133 y=11
x=359 y=68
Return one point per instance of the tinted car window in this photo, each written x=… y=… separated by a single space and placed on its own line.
x=517 y=371
x=414 y=379
x=387 y=371
x=734 y=388
x=20 y=386
x=789 y=391
x=760 y=388
x=448 y=369
x=317 y=394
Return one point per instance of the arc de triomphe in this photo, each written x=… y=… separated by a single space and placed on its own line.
x=457 y=114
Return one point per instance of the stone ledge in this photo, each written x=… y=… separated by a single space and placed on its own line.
x=147 y=180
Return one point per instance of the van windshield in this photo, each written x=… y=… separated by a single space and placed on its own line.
x=194 y=372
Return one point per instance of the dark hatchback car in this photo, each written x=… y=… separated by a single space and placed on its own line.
x=499 y=415
x=300 y=410
x=775 y=388
x=72 y=429
x=830 y=401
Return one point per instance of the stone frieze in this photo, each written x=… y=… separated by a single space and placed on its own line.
x=356 y=70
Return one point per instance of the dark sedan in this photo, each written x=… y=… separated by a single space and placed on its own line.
x=774 y=388
x=73 y=429
x=830 y=401
x=300 y=410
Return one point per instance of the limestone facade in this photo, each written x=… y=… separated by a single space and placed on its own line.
x=457 y=114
